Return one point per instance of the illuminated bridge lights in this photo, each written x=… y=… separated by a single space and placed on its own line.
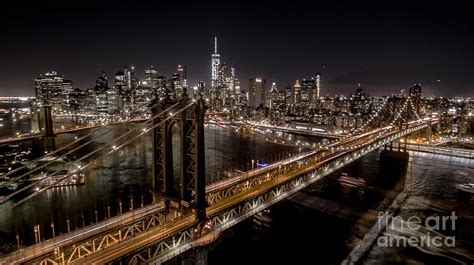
x=223 y=219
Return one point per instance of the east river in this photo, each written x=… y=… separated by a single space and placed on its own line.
x=124 y=176
x=319 y=225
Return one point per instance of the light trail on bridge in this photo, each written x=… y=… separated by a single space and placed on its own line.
x=335 y=155
x=158 y=234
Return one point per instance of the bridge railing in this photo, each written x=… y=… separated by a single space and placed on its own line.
x=224 y=215
x=458 y=152
x=304 y=166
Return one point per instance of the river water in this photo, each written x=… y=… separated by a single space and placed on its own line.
x=319 y=225
x=124 y=177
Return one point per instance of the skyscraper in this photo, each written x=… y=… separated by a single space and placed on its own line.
x=160 y=90
x=257 y=88
x=269 y=97
x=101 y=95
x=289 y=98
x=151 y=78
x=215 y=61
x=127 y=80
x=308 y=91
x=123 y=83
x=52 y=89
x=120 y=83
x=200 y=88
x=175 y=86
x=77 y=100
x=318 y=81
x=297 y=90
x=101 y=84
x=182 y=74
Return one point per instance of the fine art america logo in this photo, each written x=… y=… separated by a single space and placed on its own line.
x=415 y=232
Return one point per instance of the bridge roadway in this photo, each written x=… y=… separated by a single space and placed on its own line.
x=442 y=150
x=161 y=233
x=75 y=236
x=295 y=130
x=225 y=183
x=169 y=228
x=30 y=136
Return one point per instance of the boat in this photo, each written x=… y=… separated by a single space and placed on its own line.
x=350 y=181
x=57 y=172
x=465 y=187
x=62 y=179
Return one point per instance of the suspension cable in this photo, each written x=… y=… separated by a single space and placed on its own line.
x=55 y=151
x=32 y=162
x=93 y=152
x=36 y=193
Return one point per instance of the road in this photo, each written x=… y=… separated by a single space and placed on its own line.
x=75 y=236
x=159 y=233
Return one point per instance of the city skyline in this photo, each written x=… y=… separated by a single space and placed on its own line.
x=411 y=44
x=211 y=132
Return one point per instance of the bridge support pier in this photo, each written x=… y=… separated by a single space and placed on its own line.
x=48 y=139
x=42 y=121
x=428 y=132
x=393 y=166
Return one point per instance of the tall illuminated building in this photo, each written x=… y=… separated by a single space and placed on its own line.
x=297 y=91
x=151 y=78
x=101 y=96
x=101 y=84
x=308 y=91
x=160 y=90
x=52 y=89
x=124 y=82
x=215 y=62
x=269 y=95
x=318 y=81
x=182 y=74
x=175 y=86
x=257 y=89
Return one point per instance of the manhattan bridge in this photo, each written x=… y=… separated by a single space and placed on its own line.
x=187 y=211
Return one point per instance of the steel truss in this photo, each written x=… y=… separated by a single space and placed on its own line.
x=102 y=241
x=188 y=239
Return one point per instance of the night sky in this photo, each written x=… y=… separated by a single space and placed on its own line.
x=383 y=45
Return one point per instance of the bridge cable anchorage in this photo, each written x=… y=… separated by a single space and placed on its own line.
x=33 y=162
x=90 y=154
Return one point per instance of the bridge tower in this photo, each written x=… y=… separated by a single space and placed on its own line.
x=42 y=121
x=428 y=130
x=188 y=116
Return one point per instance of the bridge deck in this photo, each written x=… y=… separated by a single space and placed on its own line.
x=163 y=231
x=75 y=236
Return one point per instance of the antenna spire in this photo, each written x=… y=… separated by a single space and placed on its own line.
x=215 y=44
